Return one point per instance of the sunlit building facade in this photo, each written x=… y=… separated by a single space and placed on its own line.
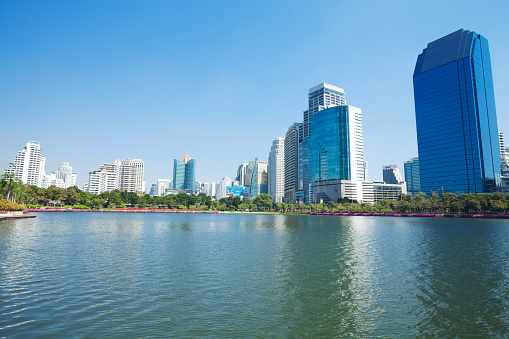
x=456 y=119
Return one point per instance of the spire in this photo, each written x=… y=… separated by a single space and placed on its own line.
x=186 y=158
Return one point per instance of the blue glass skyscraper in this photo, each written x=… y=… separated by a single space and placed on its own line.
x=456 y=120
x=183 y=173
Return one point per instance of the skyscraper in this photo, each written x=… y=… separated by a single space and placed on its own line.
x=291 y=156
x=337 y=145
x=276 y=170
x=412 y=176
x=139 y=165
x=65 y=173
x=456 y=120
x=183 y=173
x=320 y=97
x=29 y=164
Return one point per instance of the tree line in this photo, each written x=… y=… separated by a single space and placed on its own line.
x=32 y=196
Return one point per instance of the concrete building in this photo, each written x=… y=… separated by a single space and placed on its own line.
x=65 y=173
x=28 y=165
x=109 y=177
x=139 y=166
x=336 y=190
x=52 y=180
x=382 y=190
x=221 y=188
x=276 y=170
x=291 y=163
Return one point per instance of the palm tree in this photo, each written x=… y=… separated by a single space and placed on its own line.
x=9 y=182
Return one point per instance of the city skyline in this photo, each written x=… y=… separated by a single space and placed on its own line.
x=62 y=75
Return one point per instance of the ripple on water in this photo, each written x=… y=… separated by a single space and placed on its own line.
x=85 y=274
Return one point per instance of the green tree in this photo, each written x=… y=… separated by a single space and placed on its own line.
x=9 y=183
x=263 y=201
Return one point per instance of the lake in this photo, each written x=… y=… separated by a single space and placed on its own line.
x=90 y=274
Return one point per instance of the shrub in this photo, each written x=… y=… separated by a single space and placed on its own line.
x=10 y=206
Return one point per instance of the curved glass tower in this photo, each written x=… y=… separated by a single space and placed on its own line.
x=456 y=120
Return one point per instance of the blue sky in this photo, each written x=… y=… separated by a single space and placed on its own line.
x=96 y=81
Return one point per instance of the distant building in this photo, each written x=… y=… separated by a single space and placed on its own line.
x=163 y=185
x=109 y=177
x=412 y=176
x=258 y=178
x=291 y=163
x=64 y=172
x=336 y=190
x=52 y=180
x=241 y=173
x=213 y=189
x=221 y=188
x=29 y=165
x=320 y=97
x=183 y=174
x=276 y=170
x=153 y=190
x=384 y=191
x=457 y=133
x=139 y=165
x=391 y=175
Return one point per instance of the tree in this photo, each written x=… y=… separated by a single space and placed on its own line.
x=263 y=201
x=9 y=183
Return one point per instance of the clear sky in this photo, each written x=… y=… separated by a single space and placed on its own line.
x=96 y=81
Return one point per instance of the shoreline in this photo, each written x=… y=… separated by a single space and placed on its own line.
x=404 y=215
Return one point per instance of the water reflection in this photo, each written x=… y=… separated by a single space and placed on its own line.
x=84 y=274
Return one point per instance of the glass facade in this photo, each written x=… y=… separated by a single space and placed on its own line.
x=183 y=174
x=330 y=148
x=457 y=131
x=412 y=176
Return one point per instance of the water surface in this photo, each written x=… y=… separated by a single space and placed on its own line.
x=201 y=275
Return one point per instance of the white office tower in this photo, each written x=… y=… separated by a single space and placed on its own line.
x=391 y=175
x=213 y=189
x=356 y=144
x=276 y=170
x=28 y=165
x=140 y=173
x=64 y=172
x=221 y=187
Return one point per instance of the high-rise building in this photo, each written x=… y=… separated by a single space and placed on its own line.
x=320 y=97
x=65 y=173
x=256 y=178
x=276 y=170
x=139 y=165
x=183 y=174
x=391 y=175
x=412 y=176
x=28 y=165
x=291 y=158
x=456 y=119
x=241 y=173
x=337 y=145
x=109 y=177
x=221 y=188
x=52 y=180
